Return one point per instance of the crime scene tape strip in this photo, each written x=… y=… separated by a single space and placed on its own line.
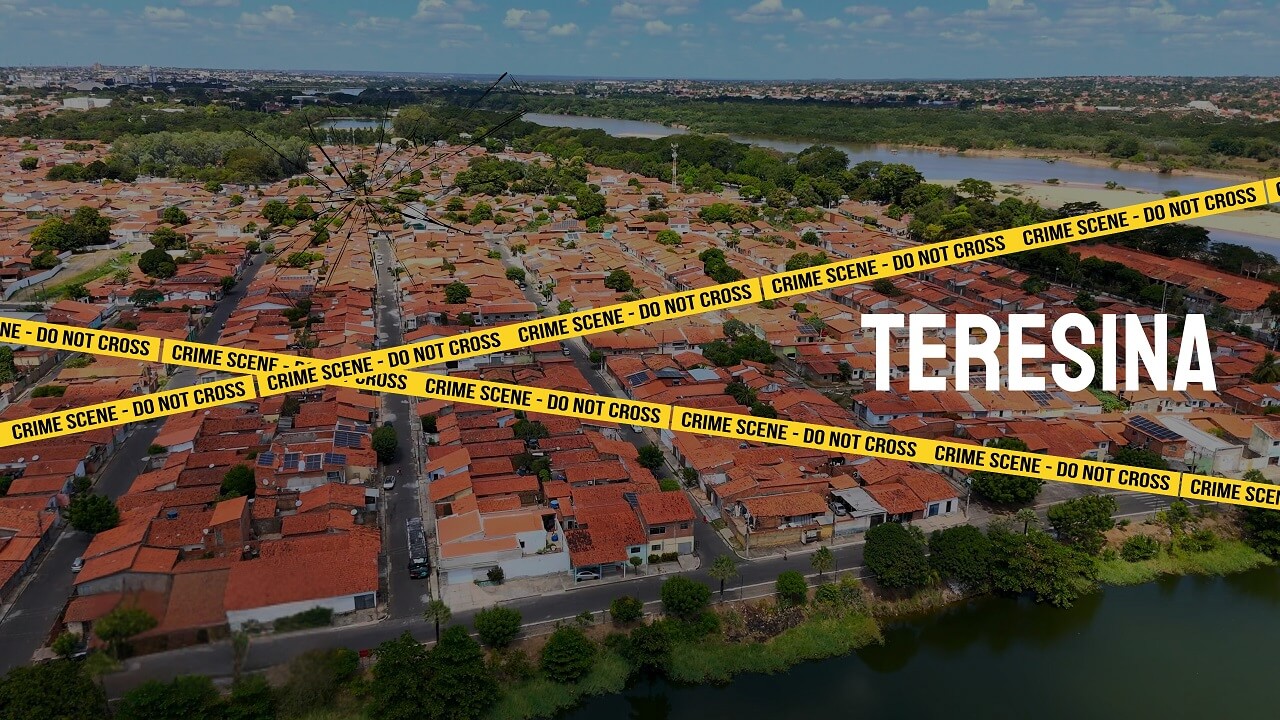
x=823 y=277
x=358 y=370
x=286 y=373
x=836 y=440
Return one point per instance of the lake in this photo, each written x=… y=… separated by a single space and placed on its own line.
x=1180 y=647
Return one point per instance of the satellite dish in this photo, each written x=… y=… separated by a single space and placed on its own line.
x=354 y=512
x=212 y=466
x=297 y=503
x=22 y=460
x=206 y=531
x=35 y=458
x=266 y=481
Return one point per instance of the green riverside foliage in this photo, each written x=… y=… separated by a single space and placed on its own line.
x=1003 y=489
x=568 y=655
x=58 y=690
x=962 y=554
x=896 y=556
x=497 y=626
x=1229 y=556
x=684 y=598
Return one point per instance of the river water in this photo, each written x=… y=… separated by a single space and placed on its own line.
x=1195 y=647
x=951 y=166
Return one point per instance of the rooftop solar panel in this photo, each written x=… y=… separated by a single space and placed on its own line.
x=1154 y=429
x=266 y=459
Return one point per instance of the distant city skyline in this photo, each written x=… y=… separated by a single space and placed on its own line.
x=706 y=39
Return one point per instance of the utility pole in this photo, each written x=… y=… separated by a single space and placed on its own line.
x=674 y=154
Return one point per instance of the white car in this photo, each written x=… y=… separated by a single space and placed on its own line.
x=77 y=565
x=389 y=482
x=637 y=429
x=586 y=575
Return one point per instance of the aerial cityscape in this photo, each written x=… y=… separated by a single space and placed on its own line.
x=617 y=359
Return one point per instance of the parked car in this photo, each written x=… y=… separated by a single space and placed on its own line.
x=77 y=565
x=839 y=509
x=586 y=575
x=637 y=429
x=389 y=482
x=564 y=349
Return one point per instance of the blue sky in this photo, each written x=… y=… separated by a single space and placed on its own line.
x=766 y=39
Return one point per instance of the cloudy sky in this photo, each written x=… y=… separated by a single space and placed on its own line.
x=767 y=39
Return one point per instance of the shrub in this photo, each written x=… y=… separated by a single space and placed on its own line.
x=313 y=618
x=684 y=598
x=1199 y=541
x=1139 y=548
x=792 y=588
x=497 y=626
x=568 y=654
x=626 y=609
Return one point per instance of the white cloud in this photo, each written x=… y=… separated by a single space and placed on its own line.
x=657 y=27
x=767 y=11
x=649 y=9
x=163 y=14
x=277 y=15
x=563 y=30
x=443 y=10
x=527 y=20
x=209 y=3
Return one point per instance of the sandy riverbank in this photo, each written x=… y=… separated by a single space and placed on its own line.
x=1253 y=222
x=1233 y=175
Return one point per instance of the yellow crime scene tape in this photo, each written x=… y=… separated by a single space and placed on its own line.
x=378 y=370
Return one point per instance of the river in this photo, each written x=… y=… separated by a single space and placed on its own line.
x=951 y=166
x=1179 y=647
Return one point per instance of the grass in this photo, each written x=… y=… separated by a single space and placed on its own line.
x=542 y=698
x=55 y=291
x=815 y=639
x=1231 y=556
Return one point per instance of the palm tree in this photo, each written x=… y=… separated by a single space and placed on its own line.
x=823 y=561
x=1027 y=517
x=439 y=613
x=723 y=568
x=1267 y=370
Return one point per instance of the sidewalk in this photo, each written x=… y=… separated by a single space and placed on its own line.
x=461 y=597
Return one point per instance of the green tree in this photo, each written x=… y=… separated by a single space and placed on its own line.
x=66 y=644
x=1267 y=370
x=462 y=686
x=187 y=696
x=596 y=357
x=564 y=307
x=516 y=274
x=76 y=291
x=398 y=686
x=236 y=200
x=93 y=513
x=1036 y=564
x=116 y=627
x=668 y=237
x=961 y=554
x=823 y=561
x=791 y=587
x=166 y=238
x=896 y=556
x=1140 y=457
x=620 y=281
x=174 y=215
x=58 y=690
x=1028 y=518
x=626 y=609
x=683 y=598
x=146 y=297
x=723 y=568
x=977 y=189
x=651 y=457
x=28 y=163
x=1003 y=489
x=386 y=444
x=1081 y=522
x=648 y=647
x=589 y=205
x=438 y=614
x=157 y=263
x=239 y=481
x=456 y=293
x=1260 y=527
x=276 y=212
x=497 y=626
x=568 y=654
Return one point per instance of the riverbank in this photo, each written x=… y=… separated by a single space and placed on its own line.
x=1262 y=223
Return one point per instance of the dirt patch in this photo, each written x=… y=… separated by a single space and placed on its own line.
x=1223 y=523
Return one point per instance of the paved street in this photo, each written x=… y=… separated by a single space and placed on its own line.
x=406 y=596
x=28 y=622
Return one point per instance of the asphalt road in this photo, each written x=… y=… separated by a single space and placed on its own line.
x=406 y=596
x=27 y=624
